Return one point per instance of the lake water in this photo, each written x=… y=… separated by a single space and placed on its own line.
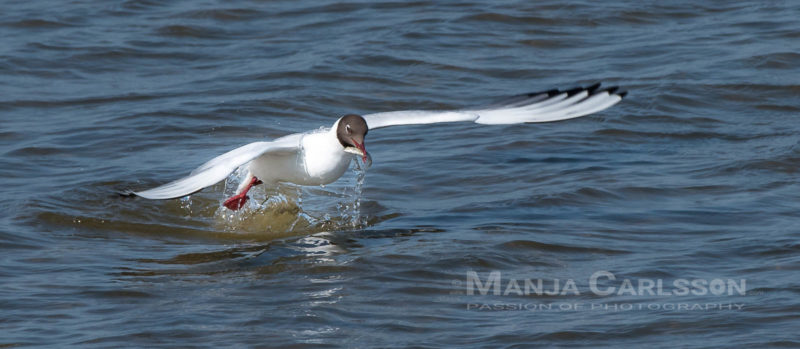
x=690 y=183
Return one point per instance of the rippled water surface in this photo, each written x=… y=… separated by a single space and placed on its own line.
x=693 y=177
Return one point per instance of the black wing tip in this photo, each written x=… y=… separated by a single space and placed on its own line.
x=126 y=193
x=613 y=91
x=574 y=91
x=592 y=89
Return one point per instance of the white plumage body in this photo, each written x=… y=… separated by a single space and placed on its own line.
x=320 y=160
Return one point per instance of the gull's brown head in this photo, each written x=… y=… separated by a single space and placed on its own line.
x=351 y=132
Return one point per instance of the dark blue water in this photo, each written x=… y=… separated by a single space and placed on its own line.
x=690 y=182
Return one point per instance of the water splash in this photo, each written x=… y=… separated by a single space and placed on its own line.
x=289 y=209
x=352 y=211
x=186 y=205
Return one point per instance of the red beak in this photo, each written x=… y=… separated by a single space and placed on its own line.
x=360 y=146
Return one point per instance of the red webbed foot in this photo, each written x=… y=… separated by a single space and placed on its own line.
x=236 y=202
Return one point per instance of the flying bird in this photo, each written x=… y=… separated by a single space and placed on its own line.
x=322 y=156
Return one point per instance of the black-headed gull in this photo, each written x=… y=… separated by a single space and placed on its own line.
x=322 y=156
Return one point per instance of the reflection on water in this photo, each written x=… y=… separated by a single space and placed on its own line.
x=260 y=257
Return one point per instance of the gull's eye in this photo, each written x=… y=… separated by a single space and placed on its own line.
x=347 y=127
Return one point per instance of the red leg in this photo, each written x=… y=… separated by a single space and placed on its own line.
x=237 y=201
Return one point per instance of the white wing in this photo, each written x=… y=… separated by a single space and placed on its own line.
x=545 y=106
x=220 y=167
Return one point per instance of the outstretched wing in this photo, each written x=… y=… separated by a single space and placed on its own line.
x=220 y=167
x=545 y=106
